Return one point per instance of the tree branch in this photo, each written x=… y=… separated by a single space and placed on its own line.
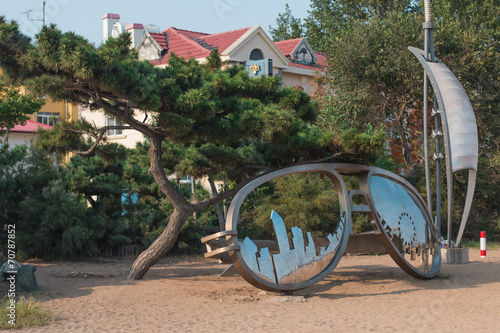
x=127 y=117
x=322 y=159
x=222 y=195
x=158 y=173
x=97 y=140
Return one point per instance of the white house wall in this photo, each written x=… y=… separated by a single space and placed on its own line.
x=128 y=138
x=148 y=51
x=17 y=139
x=258 y=42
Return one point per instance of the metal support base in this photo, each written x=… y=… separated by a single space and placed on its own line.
x=455 y=255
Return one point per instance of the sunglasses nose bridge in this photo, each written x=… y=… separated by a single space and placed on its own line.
x=365 y=208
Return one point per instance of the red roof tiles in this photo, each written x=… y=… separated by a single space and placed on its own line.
x=160 y=39
x=190 y=34
x=191 y=44
x=287 y=46
x=294 y=64
x=183 y=46
x=321 y=59
x=223 y=40
x=30 y=127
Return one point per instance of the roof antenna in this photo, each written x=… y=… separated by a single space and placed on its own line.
x=38 y=19
x=43 y=4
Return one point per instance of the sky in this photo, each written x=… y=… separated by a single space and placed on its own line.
x=210 y=16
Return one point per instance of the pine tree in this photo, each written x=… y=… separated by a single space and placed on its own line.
x=206 y=122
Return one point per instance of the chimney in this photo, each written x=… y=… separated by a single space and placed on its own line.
x=108 y=20
x=136 y=31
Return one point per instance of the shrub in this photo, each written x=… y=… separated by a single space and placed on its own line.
x=29 y=313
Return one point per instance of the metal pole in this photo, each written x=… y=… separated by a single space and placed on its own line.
x=43 y=2
x=438 y=157
x=428 y=27
x=426 y=126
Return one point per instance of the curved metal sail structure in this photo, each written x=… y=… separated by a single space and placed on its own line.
x=459 y=130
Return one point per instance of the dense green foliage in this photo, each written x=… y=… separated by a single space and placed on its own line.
x=308 y=201
x=328 y=19
x=92 y=205
x=49 y=221
x=372 y=80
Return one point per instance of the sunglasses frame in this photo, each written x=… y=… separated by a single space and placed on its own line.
x=334 y=171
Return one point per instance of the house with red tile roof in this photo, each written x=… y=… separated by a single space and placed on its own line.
x=22 y=134
x=49 y=114
x=293 y=61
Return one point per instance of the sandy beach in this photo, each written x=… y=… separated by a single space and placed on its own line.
x=186 y=294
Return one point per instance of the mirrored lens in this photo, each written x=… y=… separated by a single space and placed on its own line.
x=291 y=227
x=404 y=222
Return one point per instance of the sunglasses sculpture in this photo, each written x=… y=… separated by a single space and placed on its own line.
x=401 y=219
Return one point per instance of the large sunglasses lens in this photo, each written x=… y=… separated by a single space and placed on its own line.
x=405 y=223
x=290 y=228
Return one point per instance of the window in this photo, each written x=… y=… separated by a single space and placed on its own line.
x=47 y=118
x=303 y=52
x=113 y=122
x=185 y=179
x=256 y=54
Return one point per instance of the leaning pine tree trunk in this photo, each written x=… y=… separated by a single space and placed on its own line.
x=182 y=210
x=161 y=245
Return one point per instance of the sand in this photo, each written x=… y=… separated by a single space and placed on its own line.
x=186 y=294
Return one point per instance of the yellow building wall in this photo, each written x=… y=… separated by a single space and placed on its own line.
x=65 y=110
x=68 y=111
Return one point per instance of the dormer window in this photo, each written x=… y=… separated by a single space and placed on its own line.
x=256 y=54
x=303 y=53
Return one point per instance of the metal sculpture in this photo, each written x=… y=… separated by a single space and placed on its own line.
x=400 y=217
x=405 y=229
x=454 y=114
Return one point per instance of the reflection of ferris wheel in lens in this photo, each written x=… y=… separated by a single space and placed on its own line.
x=401 y=219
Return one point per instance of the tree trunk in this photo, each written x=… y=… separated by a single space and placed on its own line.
x=402 y=135
x=193 y=193
x=218 y=208
x=182 y=209
x=161 y=245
